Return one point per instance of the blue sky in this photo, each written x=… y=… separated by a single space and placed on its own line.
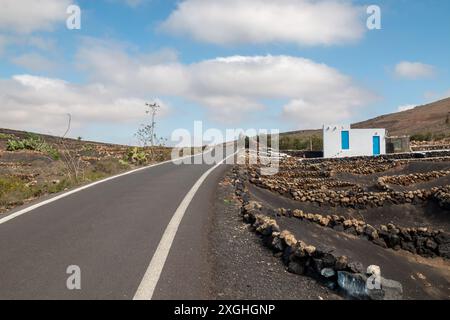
x=216 y=61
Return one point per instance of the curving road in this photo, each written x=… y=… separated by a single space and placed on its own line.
x=134 y=236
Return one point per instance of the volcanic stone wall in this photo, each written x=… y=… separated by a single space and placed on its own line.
x=337 y=272
x=422 y=241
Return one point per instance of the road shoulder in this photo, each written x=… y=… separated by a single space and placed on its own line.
x=242 y=268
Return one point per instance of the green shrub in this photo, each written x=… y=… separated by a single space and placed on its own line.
x=4 y=136
x=14 y=145
x=294 y=143
x=439 y=136
x=34 y=143
x=136 y=155
x=13 y=191
x=427 y=136
x=57 y=187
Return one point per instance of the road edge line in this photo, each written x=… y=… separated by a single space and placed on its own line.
x=14 y=215
x=151 y=277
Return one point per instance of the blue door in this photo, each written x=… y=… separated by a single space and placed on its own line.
x=376 y=146
x=345 y=140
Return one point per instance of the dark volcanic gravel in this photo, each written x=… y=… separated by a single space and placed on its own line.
x=243 y=268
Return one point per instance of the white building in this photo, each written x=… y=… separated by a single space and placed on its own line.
x=340 y=141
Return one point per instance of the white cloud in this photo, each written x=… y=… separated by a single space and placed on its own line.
x=35 y=62
x=302 y=22
x=121 y=79
x=414 y=70
x=27 y=41
x=230 y=87
x=406 y=107
x=37 y=103
x=44 y=44
x=26 y=16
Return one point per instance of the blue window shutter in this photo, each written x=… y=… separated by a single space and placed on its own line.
x=345 y=140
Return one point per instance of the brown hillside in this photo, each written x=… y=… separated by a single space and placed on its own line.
x=433 y=118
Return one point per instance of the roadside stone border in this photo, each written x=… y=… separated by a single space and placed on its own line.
x=337 y=272
x=422 y=241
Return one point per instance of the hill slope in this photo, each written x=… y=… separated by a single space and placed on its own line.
x=34 y=165
x=423 y=122
x=432 y=118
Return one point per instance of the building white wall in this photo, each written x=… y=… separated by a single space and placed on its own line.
x=361 y=141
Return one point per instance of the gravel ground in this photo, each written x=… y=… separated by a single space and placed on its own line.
x=243 y=268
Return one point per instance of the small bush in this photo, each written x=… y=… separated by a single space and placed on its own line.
x=136 y=155
x=428 y=136
x=439 y=136
x=13 y=191
x=4 y=136
x=34 y=143
x=304 y=143
x=57 y=187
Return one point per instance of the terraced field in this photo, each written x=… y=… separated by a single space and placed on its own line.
x=331 y=219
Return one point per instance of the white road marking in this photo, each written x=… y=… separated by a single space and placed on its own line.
x=45 y=202
x=151 y=277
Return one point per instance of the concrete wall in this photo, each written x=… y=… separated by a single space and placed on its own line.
x=361 y=141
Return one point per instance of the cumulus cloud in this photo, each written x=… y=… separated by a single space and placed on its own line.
x=231 y=87
x=406 y=107
x=27 y=41
x=302 y=22
x=27 y=16
x=38 y=103
x=120 y=79
x=35 y=62
x=414 y=70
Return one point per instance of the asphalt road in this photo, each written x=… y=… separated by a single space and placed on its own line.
x=111 y=231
